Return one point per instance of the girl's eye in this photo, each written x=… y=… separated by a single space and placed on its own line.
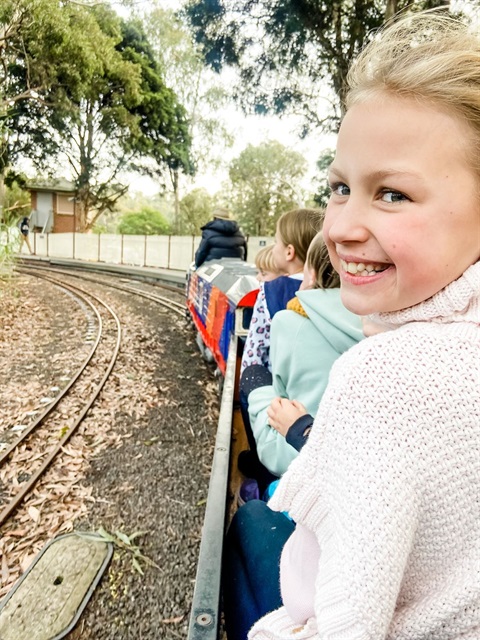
x=340 y=189
x=387 y=195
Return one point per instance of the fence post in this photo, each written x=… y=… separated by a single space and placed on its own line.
x=98 y=253
x=73 y=249
x=34 y=243
x=121 y=249
x=169 y=249
x=145 y=251
x=47 y=244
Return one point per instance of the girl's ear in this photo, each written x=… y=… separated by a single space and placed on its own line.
x=290 y=253
x=309 y=278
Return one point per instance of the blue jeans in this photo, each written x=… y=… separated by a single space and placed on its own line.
x=251 y=566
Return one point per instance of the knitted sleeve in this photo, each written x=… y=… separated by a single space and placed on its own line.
x=358 y=483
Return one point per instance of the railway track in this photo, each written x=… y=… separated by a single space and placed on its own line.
x=107 y=280
x=45 y=438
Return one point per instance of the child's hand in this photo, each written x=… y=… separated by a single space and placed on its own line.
x=282 y=413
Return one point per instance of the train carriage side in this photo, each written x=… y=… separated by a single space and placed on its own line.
x=220 y=299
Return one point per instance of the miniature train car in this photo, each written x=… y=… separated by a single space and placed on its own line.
x=220 y=299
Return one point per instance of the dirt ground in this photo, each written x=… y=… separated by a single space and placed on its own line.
x=146 y=450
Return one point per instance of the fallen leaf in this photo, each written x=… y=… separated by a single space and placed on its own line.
x=34 y=514
x=173 y=620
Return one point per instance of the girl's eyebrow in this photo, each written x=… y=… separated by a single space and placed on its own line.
x=382 y=173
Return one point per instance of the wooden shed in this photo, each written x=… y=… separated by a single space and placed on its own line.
x=53 y=206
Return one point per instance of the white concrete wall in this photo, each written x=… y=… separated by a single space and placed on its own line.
x=167 y=252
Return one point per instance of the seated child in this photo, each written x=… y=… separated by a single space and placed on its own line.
x=265 y=263
x=305 y=340
x=295 y=231
x=385 y=493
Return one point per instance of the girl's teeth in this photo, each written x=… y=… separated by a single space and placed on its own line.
x=361 y=269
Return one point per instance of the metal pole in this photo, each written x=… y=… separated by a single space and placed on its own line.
x=47 y=244
x=73 y=248
x=145 y=251
x=121 y=249
x=169 y=249
x=98 y=255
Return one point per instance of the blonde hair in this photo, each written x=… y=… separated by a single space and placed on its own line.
x=427 y=56
x=318 y=259
x=264 y=260
x=298 y=228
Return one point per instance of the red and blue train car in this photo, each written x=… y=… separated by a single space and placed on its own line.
x=220 y=299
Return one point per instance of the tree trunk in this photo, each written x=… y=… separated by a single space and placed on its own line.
x=176 y=219
x=391 y=9
x=2 y=197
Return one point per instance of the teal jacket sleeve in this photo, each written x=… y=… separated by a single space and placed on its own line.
x=272 y=448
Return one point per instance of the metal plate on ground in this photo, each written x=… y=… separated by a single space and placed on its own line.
x=47 y=601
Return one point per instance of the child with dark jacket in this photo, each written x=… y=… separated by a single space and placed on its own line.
x=221 y=238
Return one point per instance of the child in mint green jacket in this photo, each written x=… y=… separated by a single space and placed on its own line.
x=306 y=339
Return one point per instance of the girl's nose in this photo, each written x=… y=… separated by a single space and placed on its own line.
x=346 y=222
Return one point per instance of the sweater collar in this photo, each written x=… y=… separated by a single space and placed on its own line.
x=457 y=302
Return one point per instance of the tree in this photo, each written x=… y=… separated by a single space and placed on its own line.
x=163 y=123
x=197 y=88
x=41 y=48
x=290 y=52
x=106 y=105
x=196 y=210
x=265 y=182
x=147 y=221
x=323 y=191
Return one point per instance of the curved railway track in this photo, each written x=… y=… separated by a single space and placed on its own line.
x=45 y=429
x=43 y=433
x=177 y=307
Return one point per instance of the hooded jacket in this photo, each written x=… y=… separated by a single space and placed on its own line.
x=302 y=351
x=221 y=239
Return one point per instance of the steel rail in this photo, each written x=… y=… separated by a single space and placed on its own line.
x=28 y=486
x=41 y=418
x=169 y=304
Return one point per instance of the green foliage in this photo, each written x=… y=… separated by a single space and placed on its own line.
x=16 y=202
x=162 y=124
x=147 y=221
x=299 y=46
x=9 y=246
x=265 y=182
x=323 y=191
x=81 y=88
x=197 y=87
x=195 y=210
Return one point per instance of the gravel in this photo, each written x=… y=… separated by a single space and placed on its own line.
x=160 y=410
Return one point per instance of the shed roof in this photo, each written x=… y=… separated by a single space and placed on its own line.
x=53 y=184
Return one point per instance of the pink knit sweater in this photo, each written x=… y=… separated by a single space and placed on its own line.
x=389 y=484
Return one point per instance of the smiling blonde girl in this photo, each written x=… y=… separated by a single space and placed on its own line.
x=385 y=492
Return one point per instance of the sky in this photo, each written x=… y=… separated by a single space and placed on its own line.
x=245 y=130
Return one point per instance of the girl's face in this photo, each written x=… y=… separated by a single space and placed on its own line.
x=266 y=276
x=403 y=220
x=281 y=253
